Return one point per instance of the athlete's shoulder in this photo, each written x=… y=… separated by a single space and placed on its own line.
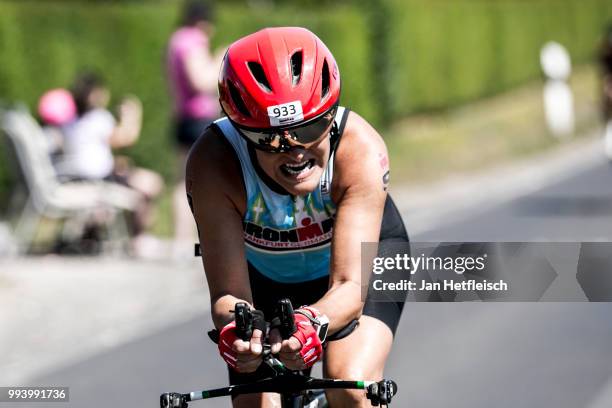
x=209 y=150
x=361 y=156
x=360 y=141
x=360 y=132
x=213 y=168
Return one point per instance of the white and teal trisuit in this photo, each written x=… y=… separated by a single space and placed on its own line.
x=287 y=238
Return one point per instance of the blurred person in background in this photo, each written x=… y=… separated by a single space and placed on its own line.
x=192 y=73
x=605 y=60
x=88 y=143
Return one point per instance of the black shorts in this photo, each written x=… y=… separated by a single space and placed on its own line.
x=266 y=292
x=187 y=131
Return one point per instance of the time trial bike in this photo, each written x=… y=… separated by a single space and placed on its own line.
x=296 y=388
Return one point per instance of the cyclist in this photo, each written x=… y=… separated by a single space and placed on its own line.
x=284 y=190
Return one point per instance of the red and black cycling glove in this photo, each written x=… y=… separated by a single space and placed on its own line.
x=229 y=335
x=311 y=330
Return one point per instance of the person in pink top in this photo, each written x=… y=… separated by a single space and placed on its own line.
x=192 y=73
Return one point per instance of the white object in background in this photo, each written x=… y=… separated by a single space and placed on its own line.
x=555 y=61
x=558 y=98
x=559 y=108
x=608 y=139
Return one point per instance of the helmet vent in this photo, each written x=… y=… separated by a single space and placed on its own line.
x=296 y=67
x=325 y=80
x=237 y=99
x=259 y=75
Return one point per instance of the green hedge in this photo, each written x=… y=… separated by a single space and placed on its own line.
x=445 y=52
x=396 y=56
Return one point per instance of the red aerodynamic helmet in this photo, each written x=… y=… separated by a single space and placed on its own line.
x=278 y=78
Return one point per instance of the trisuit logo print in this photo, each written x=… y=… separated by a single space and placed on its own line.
x=310 y=227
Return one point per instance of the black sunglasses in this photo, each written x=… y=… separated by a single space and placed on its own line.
x=279 y=140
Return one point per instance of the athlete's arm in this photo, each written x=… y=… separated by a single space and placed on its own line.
x=359 y=191
x=214 y=184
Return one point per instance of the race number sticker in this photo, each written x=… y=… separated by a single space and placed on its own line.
x=285 y=114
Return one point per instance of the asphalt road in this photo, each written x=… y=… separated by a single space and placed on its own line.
x=445 y=354
x=577 y=208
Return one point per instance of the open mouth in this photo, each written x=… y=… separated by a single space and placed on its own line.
x=295 y=169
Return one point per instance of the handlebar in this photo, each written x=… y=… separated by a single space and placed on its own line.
x=283 y=320
x=285 y=381
x=379 y=393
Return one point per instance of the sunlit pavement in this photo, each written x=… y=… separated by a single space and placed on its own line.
x=57 y=310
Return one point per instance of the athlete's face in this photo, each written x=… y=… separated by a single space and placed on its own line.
x=299 y=170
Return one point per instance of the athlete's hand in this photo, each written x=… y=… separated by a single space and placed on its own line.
x=303 y=348
x=242 y=356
